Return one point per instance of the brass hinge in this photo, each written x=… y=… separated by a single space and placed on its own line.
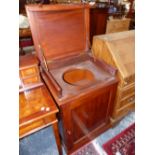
x=43 y=57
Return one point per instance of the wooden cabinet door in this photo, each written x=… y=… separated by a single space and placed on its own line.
x=84 y=115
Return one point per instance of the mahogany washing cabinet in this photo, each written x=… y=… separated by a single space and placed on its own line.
x=82 y=86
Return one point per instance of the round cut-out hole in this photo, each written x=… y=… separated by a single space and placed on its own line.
x=78 y=77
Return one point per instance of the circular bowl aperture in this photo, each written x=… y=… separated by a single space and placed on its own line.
x=78 y=77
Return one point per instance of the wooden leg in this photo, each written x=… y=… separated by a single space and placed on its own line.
x=57 y=137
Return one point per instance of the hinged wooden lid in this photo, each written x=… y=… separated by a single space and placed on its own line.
x=59 y=30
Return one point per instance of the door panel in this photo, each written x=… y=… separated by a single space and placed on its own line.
x=89 y=114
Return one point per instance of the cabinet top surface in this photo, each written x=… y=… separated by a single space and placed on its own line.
x=121 y=46
x=35 y=103
x=79 y=76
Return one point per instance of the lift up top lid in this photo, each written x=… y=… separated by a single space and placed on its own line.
x=59 y=30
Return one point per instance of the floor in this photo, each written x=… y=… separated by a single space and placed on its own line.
x=43 y=141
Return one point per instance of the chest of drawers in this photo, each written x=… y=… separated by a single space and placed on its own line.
x=28 y=72
x=117 y=49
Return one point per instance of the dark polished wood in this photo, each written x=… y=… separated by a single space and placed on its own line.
x=131 y=12
x=73 y=35
x=98 y=21
x=22 y=6
x=85 y=110
x=83 y=87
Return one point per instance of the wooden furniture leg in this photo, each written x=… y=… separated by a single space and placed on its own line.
x=57 y=137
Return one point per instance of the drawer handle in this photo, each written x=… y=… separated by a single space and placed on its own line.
x=45 y=108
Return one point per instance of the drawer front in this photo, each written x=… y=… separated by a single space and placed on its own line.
x=128 y=81
x=31 y=80
x=124 y=92
x=25 y=130
x=127 y=100
x=29 y=71
x=128 y=91
x=120 y=113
